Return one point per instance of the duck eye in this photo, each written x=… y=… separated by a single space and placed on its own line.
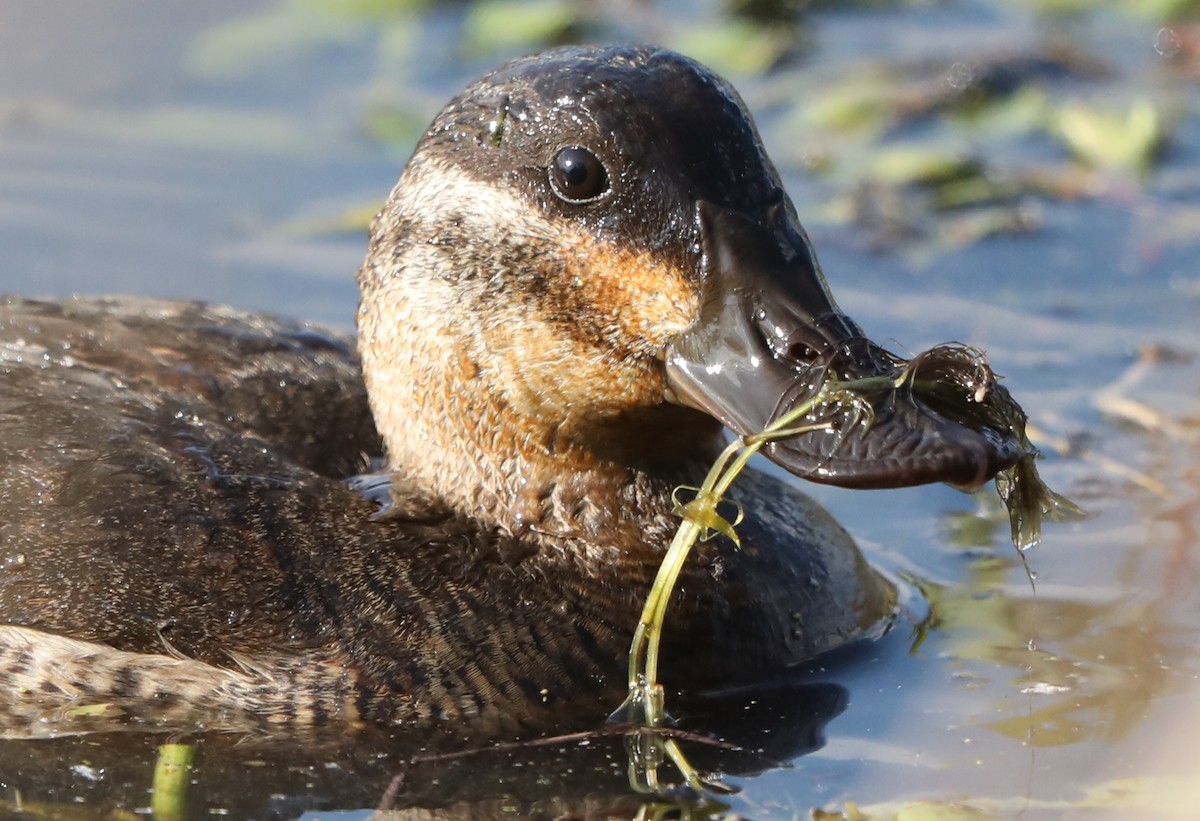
x=577 y=175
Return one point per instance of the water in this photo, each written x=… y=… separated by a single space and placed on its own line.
x=210 y=151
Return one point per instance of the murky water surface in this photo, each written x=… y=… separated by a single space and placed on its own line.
x=227 y=151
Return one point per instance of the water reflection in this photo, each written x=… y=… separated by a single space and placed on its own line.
x=1094 y=656
x=592 y=773
x=1092 y=669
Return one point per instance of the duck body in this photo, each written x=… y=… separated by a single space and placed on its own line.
x=587 y=270
x=178 y=536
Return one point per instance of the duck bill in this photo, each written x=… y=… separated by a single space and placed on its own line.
x=770 y=337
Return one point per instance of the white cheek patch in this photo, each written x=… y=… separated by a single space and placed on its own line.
x=639 y=304
x=433 y=189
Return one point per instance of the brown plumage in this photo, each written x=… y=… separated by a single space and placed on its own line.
x=177 y=539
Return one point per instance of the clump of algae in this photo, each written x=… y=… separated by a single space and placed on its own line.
x=957 y=382
x=952 y=380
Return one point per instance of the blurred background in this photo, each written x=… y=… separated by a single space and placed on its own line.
x=1022 y=176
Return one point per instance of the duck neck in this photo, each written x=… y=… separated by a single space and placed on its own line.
x=598 y=482
x=480 y=434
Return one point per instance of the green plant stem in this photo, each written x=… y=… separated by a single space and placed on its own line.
x=645 y=699
x=172 y=775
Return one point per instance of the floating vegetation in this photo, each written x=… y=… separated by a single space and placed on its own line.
x=1112 y=140
x=928 y=155
x=495 y=27
x=952 y=381
x=738 y=46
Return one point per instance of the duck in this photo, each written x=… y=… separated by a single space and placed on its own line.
x=587 y=276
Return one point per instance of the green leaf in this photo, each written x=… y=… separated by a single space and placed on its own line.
x=920 y=165
x=372 y=9
x=288 y=32
x=1024 y=112
x=736 y=47
x=506 y=26
x=1122 y=141
x=858 y=104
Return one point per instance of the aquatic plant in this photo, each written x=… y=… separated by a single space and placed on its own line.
x=953 y=381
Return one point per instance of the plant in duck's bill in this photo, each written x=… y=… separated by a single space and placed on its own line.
x=954 y=381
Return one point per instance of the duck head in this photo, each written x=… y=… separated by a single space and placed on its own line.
x=590 y=260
